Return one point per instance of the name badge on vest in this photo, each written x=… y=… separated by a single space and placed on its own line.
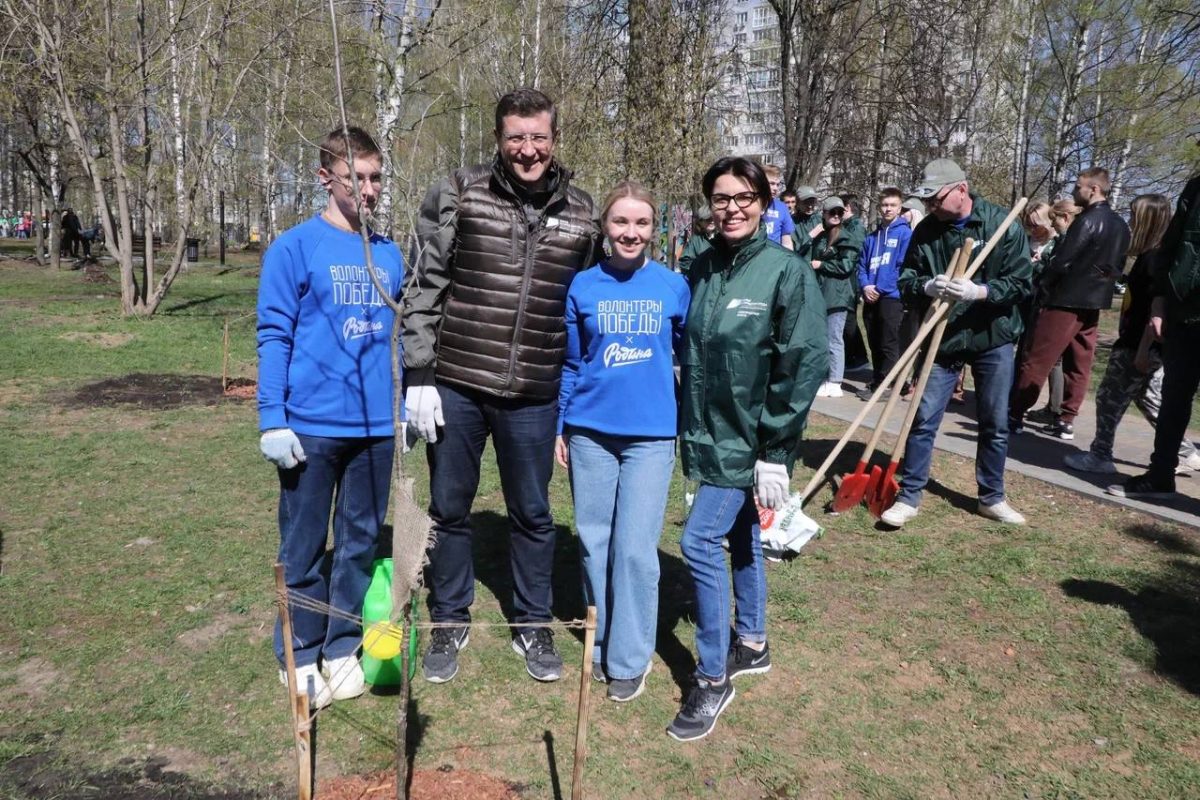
x=552 y=222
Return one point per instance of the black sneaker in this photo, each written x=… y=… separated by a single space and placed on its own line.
x=867 y=392
x=542 y=661
x=703 y=705
x=1015 y=426
x=1061 y=429
x=622 y=690
x=1144 y=486
x=598 y=672
x=743 y=660
x=440 y=663
x=1042 y=416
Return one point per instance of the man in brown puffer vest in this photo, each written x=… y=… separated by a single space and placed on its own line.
x=484 y=340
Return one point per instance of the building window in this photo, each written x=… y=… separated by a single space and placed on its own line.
x=740 y=19
x=762 y=16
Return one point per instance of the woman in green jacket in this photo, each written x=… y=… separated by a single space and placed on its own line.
x=835 y=259
x=755 y=354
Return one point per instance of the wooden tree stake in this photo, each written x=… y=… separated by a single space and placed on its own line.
x=225 y=362
x=581 y=719
x=301 y=729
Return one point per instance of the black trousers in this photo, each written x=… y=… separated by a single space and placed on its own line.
x=883 y=318
x=852 y=339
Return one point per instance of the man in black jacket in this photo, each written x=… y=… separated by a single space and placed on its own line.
x=484 y=341
x=1078 y=281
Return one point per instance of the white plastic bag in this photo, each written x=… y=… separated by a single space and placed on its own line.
x=786 y=529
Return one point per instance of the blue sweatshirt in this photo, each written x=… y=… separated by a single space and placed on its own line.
x=622 y=328
x=881 y=257
x=778 y=222
x=324 y=358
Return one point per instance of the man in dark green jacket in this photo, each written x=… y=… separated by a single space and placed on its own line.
x=700 y=239
x=807 y=218
x=1175 y=318
x=983 y=325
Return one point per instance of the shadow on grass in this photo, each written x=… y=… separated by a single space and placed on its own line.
x=1164 y=611
x=493 y=568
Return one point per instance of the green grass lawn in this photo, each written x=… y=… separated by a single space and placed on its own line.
x=956 y=659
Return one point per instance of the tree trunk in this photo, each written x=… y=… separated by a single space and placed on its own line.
x=1065 y=119
x=1020 y=145
x=1118 y=175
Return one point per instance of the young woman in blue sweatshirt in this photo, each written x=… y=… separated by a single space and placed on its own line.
x=617 y=424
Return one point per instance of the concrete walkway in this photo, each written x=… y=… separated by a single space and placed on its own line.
x=1038 y=455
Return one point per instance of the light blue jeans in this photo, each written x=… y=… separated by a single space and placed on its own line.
x=835 y=322
x=719 y=513
x=620 y=487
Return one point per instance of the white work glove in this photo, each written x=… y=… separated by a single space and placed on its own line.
x=962 y=290
x=423 y=407
x=936 y=287
x=770 y=484
x=281 y=447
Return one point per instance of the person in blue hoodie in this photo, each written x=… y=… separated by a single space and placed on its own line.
x=617 y=423
x=325 y=411
x=878 y=270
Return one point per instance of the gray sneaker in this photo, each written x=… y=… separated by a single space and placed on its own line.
x=440 y=663
x=598 y=672
x=743 y=660
x=1088 y=461
x=542 y=661
x=703 y=705
x=622 y=690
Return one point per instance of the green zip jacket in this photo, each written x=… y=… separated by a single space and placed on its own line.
x=696 y=244
x=839 y=265
x=805 y=223
x=977 y=327
x=756 y=351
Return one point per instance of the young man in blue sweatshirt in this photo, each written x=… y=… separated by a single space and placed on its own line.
x=878 y=269
x=776 y=219
x=325 y=411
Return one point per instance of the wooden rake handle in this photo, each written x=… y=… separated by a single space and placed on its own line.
x=939 y=310
x=958 y=266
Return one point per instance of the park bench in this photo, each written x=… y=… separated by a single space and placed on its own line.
x=139 y=243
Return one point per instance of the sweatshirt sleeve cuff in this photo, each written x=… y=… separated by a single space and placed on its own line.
x=273 y=417
x=777 y=455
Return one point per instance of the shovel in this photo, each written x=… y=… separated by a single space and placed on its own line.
x=885 y=491
x=858 y=484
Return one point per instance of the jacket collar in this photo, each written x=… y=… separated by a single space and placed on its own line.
x=557 y=179
x=733 y=252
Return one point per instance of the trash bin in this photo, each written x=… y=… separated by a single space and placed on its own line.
x=193 y=250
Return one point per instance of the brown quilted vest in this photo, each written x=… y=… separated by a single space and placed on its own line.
x=502 y=329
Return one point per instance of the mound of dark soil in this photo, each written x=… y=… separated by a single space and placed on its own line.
x=158 y=391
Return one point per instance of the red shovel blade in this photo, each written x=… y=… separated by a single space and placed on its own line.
x=873 y=482
x=885 y=492
x=852 y=490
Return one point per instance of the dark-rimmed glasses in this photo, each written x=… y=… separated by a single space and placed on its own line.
x=743 y=200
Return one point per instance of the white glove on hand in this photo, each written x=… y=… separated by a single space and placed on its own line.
x=962 y=290
x=281 y=447
x=770 y=484
x=936 y=287
x=423 y=407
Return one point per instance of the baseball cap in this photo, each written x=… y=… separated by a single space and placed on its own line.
x=914 y=204
x=938 y=173
x=806 y=193
x=833 y=202
x=703 y=213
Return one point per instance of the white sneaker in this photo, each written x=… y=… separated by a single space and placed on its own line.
x=1088 y=461
x=898 y=514
x=833 y=390
x=1188 y=465
x=823 y=390
x=345 y=677
x=1002 y=512
x=309 y=678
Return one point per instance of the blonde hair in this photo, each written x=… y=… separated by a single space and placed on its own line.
x=1149 y=216
x=772 y=170
x=1065 y=208
x=631 y=189
x=1038 y=215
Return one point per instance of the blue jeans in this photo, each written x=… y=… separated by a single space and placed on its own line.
x=718 y=513
x=352 y=478
x=835 y=322
x=993 y=371
x=1181 y=378
x=620 y=487
x=523 y=434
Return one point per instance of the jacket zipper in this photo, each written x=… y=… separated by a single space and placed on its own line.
x=531 y=240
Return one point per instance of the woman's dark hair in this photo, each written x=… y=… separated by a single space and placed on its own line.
x=749 y=171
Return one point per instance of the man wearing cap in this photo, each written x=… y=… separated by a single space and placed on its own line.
x=807 y=218
x=878 y=271
x=1077 y=282
x=982 y=326
x=700 y=239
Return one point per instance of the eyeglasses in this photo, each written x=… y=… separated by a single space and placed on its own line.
x=937 y=200
x=719 y=202
x=836 y=212
x=515 y=140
